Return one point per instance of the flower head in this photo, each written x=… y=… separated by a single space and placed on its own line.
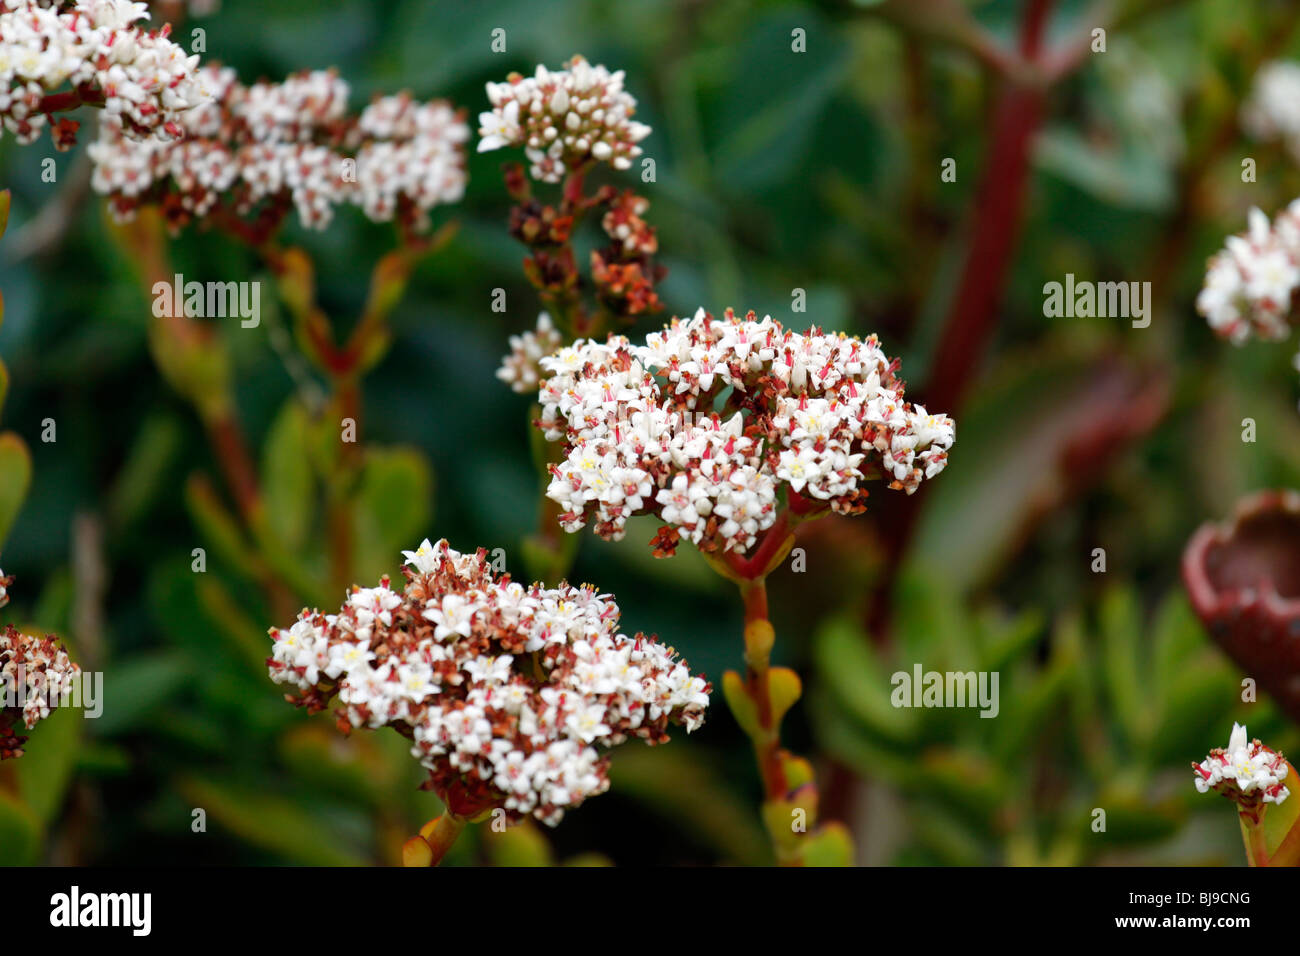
x=563 y=119
x=521 y=369
x=273 y=146
x=1250 y=283
x=1272 y=111
x=712 y=426
x=510 y=694
x=35 y=673
x=1247 y=773
x=91 y=51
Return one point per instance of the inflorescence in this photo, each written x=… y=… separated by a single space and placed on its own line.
x=563 y=119
x=506 y=691
x=1247 y=773
x=57 y=56
x=269 y=146
x=1272 y=111
x=522 y=368
x=1250 y=282
x=710 y=425
x=35 y=675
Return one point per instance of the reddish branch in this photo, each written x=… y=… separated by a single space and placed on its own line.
x=972 y=317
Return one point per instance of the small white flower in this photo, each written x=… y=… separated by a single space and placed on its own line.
x=562 y=118
x=509 y=689
x=1246 y=772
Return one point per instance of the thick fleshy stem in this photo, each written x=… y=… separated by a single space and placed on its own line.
x=1253 y=836
x=1286 y=854
x=760 y=701
x=759 y=640
x=435 y=839
x=974 y=310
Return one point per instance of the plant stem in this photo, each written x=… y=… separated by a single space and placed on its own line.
x=1253 y=836
x=759 y=638
x=973 y=314
x=342 y=536
x=444 y=833
x=236 y=464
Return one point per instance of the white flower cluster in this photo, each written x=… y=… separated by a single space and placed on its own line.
x=1272 y=110
x=35 y=673
x=814 y=414
x=1247 y=772
x=91 y=49
x=506 y=691
x=1249 y=283
x=291 y=142
x=563 y=118
x=521 y=369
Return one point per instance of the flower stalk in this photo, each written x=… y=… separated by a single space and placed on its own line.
x=434 y=840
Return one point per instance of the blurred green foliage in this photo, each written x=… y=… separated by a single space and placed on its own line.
x=775 y=172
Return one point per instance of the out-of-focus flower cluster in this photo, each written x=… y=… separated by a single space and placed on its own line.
x=1272 y=111
x=521 y=369
x=1250 y=282
x=35 y=674
x=563 y=119
x=810 y=416
x=56 y=56
x=272 y=145
x=1247 y=773
x=506 y=691
x=624 y=274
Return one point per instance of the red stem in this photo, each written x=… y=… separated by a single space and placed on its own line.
x=973 y=315
x=758 y=652
x=756 y=565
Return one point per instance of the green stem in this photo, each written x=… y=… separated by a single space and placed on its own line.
x=1252 y=835
x=444 y=834
x=759 y=639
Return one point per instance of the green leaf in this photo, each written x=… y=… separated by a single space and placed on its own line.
x=218 y=526
x=1176 y=635
x=144 y=476
x=15 y=479
x=20 y=832
x=393 y=508
x=767 y=123
x=48 y=763
x=849 y=669
x=1195 y=706
x=1003 y=642
x=967 y=781
x=139 y=688
x=287 y=484
x=1134 y=820
x=742 y=705
x=829 y=845
x=269 y=821
x=784 y=689
x=352 y=767
x=519 y=845
x=1121 y=624
x=1119 y=177
x=1026 y=713
x=685 y=786
x=1279 y=820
